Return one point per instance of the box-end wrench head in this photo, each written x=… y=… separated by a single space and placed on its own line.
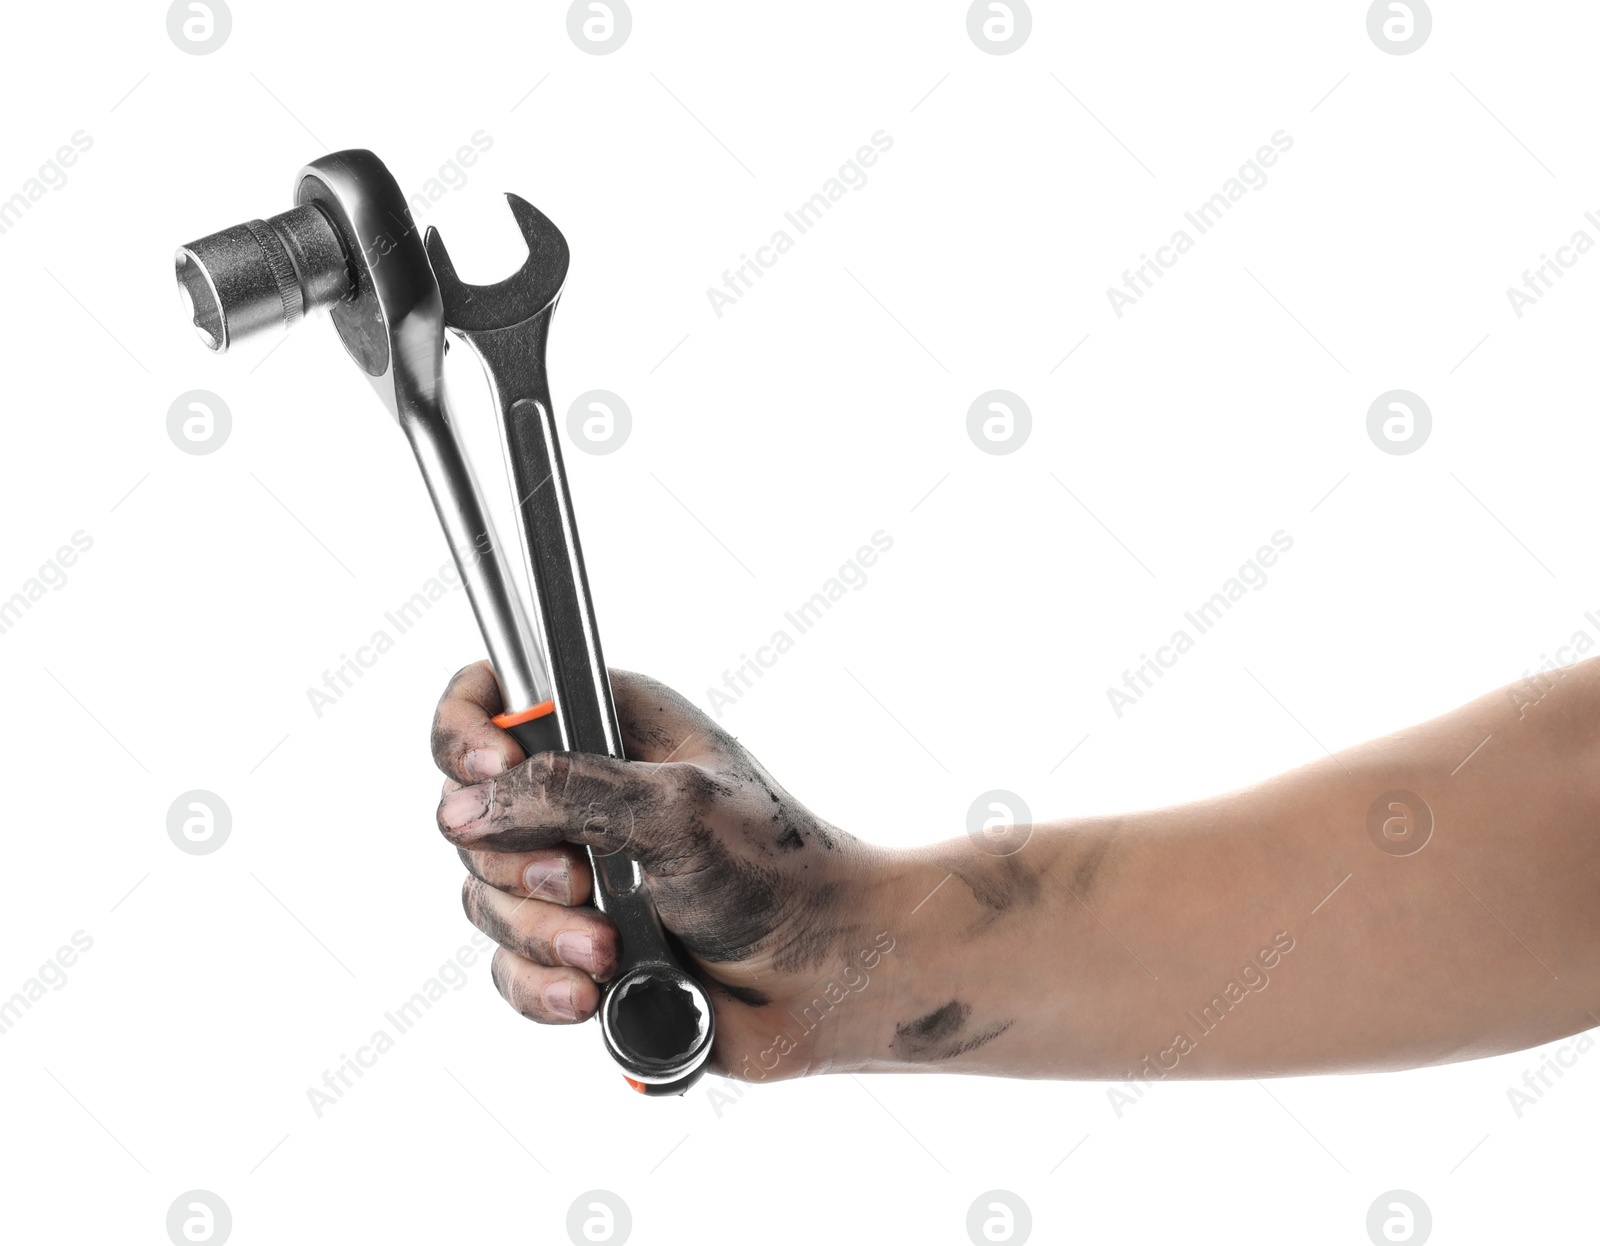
x=657 y=1022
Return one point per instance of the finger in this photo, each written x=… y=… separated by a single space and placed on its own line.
x=648 y=810
x=559 y=875
x=548 y=996
x=548 y=934
x=467 y=745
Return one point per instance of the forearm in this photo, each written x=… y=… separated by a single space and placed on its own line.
x=1267 y=931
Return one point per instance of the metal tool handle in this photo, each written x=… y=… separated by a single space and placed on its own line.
x=656 y=1019
x=479 y=557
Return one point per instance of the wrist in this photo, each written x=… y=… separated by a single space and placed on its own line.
x=935 y=980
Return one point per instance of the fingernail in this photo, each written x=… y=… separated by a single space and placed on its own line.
x=547 y=880
x=558 y=999
x=576 y=949
x=483 y=763
x=464 y=806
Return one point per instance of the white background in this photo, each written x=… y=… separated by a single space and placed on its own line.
x=822 y=407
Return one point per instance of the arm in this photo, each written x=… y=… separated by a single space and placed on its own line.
x=1286 y=928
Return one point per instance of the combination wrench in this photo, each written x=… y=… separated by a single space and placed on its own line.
x=349 y=246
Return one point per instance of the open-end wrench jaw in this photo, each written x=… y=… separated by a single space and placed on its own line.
x=532 y=289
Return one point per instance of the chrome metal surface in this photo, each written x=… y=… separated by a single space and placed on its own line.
x=393 y=326
x=261 y=275
x=349 y=245
x=656 y=1019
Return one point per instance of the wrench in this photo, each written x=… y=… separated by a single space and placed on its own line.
x=350 y=246
x=655 y=1018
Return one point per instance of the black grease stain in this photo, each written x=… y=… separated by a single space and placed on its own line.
x=744 y=994
x=720 y=863
x=723 y=908
x=480 y=913
x=1091 y=863
x=976 y=1041
x=642 y=700
x=1000 y=884
x=1003 y=884
x=791 y=820
x=726 y=907
x=939 y=1034
x=937 y=1026
x=817 y=941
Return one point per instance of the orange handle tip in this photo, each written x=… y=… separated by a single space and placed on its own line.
x=507 y=721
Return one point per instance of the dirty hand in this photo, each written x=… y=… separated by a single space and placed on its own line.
x=771 y=903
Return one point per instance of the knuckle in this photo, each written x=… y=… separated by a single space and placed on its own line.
x=688 y=785
x=539 y=780
x=559 y=774
x=441 y=743
x=503 y=970
x=465 y=672
x=536 y=946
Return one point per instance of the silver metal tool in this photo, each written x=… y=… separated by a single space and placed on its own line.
x=507 y=326
x=350 y=246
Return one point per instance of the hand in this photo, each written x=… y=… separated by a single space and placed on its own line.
x=773 y=905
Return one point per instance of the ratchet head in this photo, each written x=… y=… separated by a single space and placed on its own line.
x=530 y=290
